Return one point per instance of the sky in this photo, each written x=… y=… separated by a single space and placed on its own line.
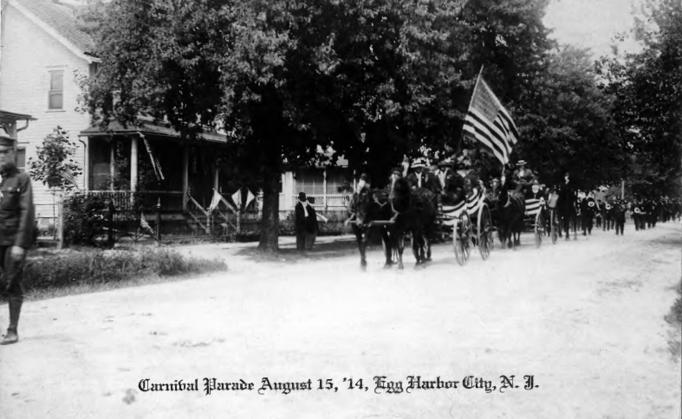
x=590 y=23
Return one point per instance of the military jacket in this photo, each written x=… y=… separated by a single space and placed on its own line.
x=17 y=213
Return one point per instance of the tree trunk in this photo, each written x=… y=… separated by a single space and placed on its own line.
x=269 y=226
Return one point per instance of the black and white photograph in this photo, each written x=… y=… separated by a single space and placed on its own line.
x=341 y=209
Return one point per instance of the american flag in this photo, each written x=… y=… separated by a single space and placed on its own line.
x=489 y=122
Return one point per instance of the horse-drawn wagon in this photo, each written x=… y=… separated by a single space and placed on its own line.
x=471 y=225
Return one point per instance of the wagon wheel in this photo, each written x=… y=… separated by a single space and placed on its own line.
x=460 y=239
x=539 y=228
x=484 y=231
x=553 y=226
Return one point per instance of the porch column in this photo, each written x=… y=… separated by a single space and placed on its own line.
x=185 y=177
x=112 y=164
x=12 y=129
x=288 y=190
x=216 y=179
x=133 y=164
x=86 y=163
x=324 y=188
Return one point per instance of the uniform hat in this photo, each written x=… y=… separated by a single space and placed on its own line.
x=521 y=163
x=419 y=163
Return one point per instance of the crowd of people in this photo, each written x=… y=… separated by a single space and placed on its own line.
x=594 y=208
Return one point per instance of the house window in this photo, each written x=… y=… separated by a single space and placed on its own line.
x=56 y=94
x=21 y=159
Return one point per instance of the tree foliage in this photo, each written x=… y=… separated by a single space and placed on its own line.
x=299 y=82
x=648 y=100
x=54 y=165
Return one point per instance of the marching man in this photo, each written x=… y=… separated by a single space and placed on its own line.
x=16 y=232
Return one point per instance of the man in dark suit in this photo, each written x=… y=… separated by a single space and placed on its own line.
x=566 y=203
x=311 y=226
x=16 y=232
x=305 y=223
x=300 y=220
x=422 y=178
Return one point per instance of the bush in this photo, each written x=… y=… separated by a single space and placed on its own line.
x=84 y=219
x=96 y=267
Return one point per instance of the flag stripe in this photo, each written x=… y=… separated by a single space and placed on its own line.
x=499 y=123
x=510 y=122
x=489 y=122
x=482 y=136
x=474 y=202
x=533 y=206
x=491 y=134
x=494 y=130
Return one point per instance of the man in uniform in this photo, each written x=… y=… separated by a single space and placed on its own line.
x=16 y=232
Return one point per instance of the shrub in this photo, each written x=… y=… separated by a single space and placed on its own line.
x=84 y=218
x=95 y=267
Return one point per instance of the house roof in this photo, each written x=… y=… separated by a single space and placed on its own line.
x=147 y=128
x=11 y=117
x=59 y=20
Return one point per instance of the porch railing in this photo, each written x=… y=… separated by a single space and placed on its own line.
x=127 y=201
x=198 y=214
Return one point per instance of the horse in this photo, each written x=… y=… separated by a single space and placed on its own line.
x=366 y=207
x=415 y=213
x=509 y=213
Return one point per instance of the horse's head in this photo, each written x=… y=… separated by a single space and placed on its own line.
x=363 y=203
x=503 y=200
x=400 y=194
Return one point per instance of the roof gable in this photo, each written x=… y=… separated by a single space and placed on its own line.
x=58 y=20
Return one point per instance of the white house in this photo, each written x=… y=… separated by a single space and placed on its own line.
x=42 y=52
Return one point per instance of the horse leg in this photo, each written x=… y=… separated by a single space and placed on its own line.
x=388 y=247
x=417 y=247
x=362 y=244
x=427 y=243
x=400 y=240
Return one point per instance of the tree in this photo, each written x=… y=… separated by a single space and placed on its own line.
x=567 y=123
x=648 y=92
x=54 y=165
x=287 y=79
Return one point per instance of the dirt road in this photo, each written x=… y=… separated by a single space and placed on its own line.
x=584 y=318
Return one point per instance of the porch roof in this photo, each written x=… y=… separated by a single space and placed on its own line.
x=147 y=128
x=11 y=117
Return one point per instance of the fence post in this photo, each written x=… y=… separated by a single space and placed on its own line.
x=110 y=222
x=158 y=219
x=59 y=222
